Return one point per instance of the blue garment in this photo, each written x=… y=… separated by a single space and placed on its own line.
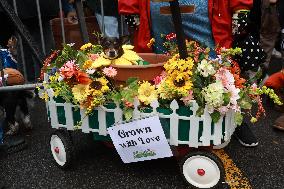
x=67 y=7
x=195 y=25
x=6 y=57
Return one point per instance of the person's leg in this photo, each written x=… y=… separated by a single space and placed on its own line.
x=268 y=41
x=269 y=30
x=110 y=24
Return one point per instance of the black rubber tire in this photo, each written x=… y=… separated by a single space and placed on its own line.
x=66 y=139
x=212 y=157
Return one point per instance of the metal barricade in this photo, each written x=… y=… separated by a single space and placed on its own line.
x=40 y=52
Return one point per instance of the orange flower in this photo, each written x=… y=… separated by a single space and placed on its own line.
x=235 y=70
x=83 y=78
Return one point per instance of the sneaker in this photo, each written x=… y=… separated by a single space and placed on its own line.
x=279 y=123
x=14 y=144
x=13 y=128
x=276 y=53
x=245 y=136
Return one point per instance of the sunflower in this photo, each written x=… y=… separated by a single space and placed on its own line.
x=176 y=84
x=147 y=93
x=99 y=86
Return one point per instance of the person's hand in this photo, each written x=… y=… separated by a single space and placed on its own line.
x=272 y=1
x=72 y=17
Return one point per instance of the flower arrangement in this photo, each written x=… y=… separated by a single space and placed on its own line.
x=76 y=77
x=213 y=80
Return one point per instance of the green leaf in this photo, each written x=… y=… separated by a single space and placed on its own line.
x=215 y=116
x=200 y=111
x=128 y=114
x=226 y=98
x=238 y=118
x=131 y=80
x=245 y=103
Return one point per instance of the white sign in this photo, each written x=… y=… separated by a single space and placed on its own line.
x=140 y=140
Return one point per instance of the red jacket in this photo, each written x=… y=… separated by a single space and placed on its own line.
x=220 y=15
x=142 y=36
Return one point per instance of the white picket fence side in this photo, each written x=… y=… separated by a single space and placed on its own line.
x=174 y=118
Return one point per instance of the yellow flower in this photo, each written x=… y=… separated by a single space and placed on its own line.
x=87 y=64
x=101 y=61
x=84 y=47
x=127 y=47
x=151 y=42
x=44 y=96
x=80 y=92
x=147 y=93
x=253 y=120
x=175 y=85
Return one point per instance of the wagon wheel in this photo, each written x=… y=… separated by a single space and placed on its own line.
x=202 y=169
x=62 y=149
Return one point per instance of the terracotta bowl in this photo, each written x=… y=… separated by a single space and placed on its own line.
x=143 y=72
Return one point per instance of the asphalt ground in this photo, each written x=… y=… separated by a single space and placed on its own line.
x=97 y=166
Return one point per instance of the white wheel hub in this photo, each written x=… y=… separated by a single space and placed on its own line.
x=58 y=150
x=201 y=171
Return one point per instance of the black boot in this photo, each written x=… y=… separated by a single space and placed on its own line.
x=245 y=136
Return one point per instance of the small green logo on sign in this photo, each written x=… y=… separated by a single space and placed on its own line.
x=141 y=154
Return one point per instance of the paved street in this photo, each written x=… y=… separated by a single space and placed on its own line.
x=97 y=166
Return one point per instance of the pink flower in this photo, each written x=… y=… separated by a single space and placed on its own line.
x=186 y=100
x=254 y=87
x=157 y=80
x=93 y=57
x=68 y=69
x=225 y=76
x=223 y=110
x=110 y=72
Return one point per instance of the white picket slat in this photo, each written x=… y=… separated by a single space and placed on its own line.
x=53 y=114
x=102 y=122
x=217 y=136
x=206 y=134
x=85 y=121
x=174 y=120
x=194 y=127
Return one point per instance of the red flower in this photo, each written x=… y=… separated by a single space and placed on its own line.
x=82 y=77
x=171 y=36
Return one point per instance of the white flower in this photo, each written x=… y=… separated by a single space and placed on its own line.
x=60 y=78
x=213 y=95
x=71 y=44
x=205 y=68
x=90 y=71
